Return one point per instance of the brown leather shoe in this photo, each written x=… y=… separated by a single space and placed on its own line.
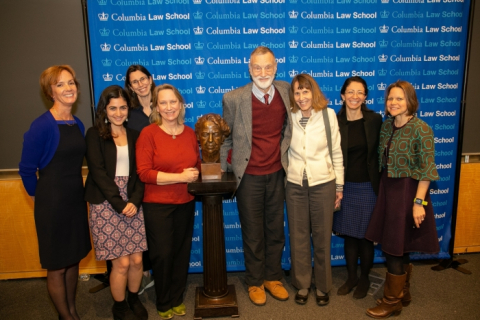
x=257 y=295
x=276 y=289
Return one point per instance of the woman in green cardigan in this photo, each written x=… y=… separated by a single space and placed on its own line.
x=403 y=220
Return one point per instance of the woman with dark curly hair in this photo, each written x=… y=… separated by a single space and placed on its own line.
x=115 y=194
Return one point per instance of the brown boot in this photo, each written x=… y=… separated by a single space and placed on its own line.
x=392 y=297
x=406 y=289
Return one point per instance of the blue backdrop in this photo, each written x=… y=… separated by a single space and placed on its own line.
x=203 y=47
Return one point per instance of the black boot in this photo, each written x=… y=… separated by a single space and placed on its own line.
x=121 y=311
x=136 y=306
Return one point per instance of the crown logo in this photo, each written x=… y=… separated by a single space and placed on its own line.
x=103 y=16
x=105 y=46
x=201 y=104
x=293 y=29
x=107 y=62
x=383 y=43
x=292 y=73
x=384 y=14
x=199 y=60
x=200 y=75
x=293 y=14
x=199 y=45
x=200 y=90
x=385 y=1
x=104 y=32
x=197 y=1
x=198 y=15
x=381 y=86
x=383 y=29
x=381 y=100
x=293 y=1
x=293 y=59
x=293 y=44
x=102 y=2
x=198 y=31
x=383 y=58
x=382 y=72
x=107 y=77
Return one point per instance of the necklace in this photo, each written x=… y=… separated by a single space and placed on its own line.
x=64 y=121
x=174 y=135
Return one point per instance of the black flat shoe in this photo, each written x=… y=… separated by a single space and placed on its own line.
x=322 y=300
x=362 y=288
x=347 y=287
x=300 y=299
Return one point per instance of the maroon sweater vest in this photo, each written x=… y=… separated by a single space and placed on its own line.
x=267 y=125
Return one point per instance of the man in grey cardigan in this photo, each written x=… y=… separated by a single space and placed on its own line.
x=256 y=151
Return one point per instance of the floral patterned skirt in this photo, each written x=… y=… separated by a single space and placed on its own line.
x=114 y=234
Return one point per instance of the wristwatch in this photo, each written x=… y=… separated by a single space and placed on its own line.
x=420 y=201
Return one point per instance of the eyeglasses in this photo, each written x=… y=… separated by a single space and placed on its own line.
x=258 y=69
x=358 y=93
x=142 y=80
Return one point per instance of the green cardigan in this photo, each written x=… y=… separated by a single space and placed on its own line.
x=412 y=150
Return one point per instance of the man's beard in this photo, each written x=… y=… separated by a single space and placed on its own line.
x=261 y=84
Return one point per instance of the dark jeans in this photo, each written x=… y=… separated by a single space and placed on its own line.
x=260 y=201
x=169 y=229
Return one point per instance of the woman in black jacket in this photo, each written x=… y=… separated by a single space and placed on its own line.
x=359 y=129
x=115 y=193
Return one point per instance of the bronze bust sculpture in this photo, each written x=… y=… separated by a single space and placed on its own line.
x=211 y=131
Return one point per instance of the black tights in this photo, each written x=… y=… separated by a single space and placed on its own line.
x=62 y=286
x=353 y=249
x=395 y=264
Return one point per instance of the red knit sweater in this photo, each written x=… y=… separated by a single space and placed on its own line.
x=267 y=125
x=157 y=151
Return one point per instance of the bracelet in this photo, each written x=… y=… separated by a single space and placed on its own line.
x=339 y=187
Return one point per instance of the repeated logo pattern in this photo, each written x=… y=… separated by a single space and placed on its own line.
x=203 y=47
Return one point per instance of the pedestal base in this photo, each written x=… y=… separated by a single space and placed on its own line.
x=217 y=307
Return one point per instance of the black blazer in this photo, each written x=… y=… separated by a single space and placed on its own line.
x=372 y=123
x=102 y=164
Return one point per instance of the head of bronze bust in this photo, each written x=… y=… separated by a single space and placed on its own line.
x=211 y=131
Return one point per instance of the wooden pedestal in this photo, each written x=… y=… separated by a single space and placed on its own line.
x=215 y=298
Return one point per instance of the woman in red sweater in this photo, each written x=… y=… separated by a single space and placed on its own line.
x=167 y=159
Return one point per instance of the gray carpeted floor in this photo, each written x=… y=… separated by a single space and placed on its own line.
x=447 y=294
